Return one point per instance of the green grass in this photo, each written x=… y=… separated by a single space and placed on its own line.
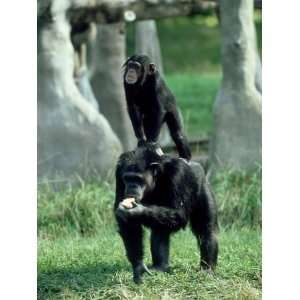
x=87 y=209
x=96 y=268
x=195 y=95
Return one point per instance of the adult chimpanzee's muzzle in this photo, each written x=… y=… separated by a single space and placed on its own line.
x=134 y=191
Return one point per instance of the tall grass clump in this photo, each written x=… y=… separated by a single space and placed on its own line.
x=85 y=210
x=238 y=197
x=81 y=210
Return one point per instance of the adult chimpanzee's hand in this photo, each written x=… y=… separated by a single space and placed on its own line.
x=125 y=213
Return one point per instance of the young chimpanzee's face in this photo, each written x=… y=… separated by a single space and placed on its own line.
x=137 y=68
x=134 y=72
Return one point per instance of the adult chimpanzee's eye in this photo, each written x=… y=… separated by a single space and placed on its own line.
x=131 y=177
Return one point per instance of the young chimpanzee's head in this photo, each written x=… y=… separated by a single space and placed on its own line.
x=139 y=172
x=137 y=68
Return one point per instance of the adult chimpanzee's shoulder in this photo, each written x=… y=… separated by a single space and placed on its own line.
x=176 y=168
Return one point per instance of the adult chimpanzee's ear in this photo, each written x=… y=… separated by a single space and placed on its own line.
x=156 y=168
x=152 y=68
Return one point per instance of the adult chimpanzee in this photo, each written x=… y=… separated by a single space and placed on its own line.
x=163 y=194
x=150 y=103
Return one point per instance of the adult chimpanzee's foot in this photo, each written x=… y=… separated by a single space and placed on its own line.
x=161 y=268
x=138 y=272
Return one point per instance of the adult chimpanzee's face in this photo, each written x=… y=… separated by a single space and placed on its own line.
x=133 y=72
x=137 y=184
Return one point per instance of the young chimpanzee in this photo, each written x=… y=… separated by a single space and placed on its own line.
x=163 y=194
x=150 y=103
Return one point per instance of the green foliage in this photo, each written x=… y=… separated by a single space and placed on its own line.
x=96 y=268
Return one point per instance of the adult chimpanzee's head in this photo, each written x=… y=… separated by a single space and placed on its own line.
x=137 y=68
x=140 y=170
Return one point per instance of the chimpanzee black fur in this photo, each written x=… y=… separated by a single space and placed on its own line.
x=150 y=103
x=169 y=192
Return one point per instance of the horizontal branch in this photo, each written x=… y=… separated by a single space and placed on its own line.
x=136 y=10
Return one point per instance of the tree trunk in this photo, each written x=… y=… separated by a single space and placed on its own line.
x=236 y=141
x=74 y=140
x=107 y=81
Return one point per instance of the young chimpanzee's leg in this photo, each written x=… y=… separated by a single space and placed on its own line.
x=174 y=124
x=204 y=226
x=132 y=235
x=152 y=125
x=160 y=245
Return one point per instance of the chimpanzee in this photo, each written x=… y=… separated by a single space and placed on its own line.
x=163 y=193
x=150 y=103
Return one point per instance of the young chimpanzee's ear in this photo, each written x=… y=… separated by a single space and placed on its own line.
x=152 y=68
x=125 y=63
x=156 y=168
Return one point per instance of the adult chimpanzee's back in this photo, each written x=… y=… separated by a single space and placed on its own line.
x=163 y=194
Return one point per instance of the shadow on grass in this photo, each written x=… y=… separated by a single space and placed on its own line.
x=58 y=281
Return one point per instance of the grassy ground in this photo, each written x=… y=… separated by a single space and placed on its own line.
x=80 y=255
x=96 y=268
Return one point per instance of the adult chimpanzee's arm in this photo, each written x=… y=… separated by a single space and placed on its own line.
x=156 y=216
x=136 y=120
